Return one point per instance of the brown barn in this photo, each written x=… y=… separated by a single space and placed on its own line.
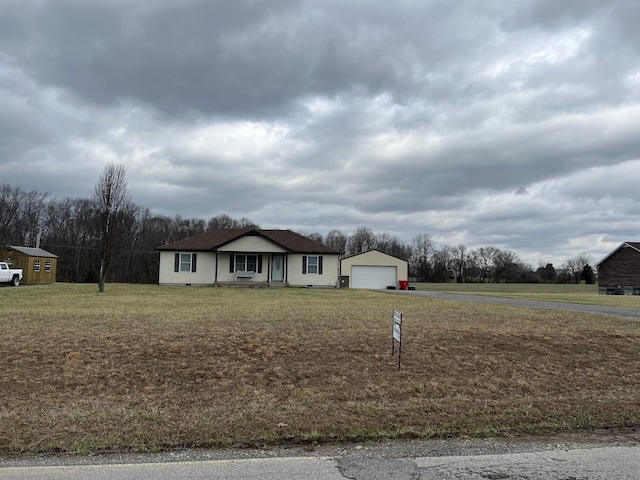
x=38 y=265
x=619 y=272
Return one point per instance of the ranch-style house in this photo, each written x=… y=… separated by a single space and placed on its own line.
x=249 y=257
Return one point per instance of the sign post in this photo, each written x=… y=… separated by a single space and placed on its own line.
x=397 y=335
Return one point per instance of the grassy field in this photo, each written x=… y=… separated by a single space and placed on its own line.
x=584 y=294
x=147 y=368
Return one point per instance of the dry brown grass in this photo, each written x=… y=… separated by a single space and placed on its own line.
x=145 y=368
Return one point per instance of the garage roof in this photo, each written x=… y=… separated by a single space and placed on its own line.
x=373 y=250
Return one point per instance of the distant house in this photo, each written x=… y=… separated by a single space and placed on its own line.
x=38 y=265
x=373 y=270
x=248 y=257
x=619 y=271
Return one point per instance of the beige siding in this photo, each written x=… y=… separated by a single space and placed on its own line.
x=252 y=244
x=204 y=274
x=375 y=258
x=225 y=276
x=329 y=277
x=206 y=265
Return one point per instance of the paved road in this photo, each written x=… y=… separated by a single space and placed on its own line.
x=603 y=463
x=627 y=313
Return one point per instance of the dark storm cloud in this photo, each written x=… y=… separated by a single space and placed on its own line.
x=508 y=123
x=229 y=57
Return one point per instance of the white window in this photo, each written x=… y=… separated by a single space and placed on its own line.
x=36 y=265
x=246 y=263
x=312 y=264
x=185 y=262
x=47 y=266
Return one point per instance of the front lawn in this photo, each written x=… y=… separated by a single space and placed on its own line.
x=149 y=367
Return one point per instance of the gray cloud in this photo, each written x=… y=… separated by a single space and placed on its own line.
x=407 y=117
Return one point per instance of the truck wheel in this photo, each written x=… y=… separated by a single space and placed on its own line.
x=15 y=281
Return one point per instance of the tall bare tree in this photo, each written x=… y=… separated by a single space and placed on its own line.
x=10 y=215
x=460 y=262
x=362 y=240
x=422 y=248
x=336 y=239
x=113 y=204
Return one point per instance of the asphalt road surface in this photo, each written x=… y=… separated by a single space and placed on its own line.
x=600 y=463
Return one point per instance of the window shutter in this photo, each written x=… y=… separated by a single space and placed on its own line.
x=193 y=262
x=304 y=264
x=259 y=263
x=176 y=265
x=232 y=260
x=319 y=265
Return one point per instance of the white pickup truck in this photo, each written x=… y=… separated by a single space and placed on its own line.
x=12 y=276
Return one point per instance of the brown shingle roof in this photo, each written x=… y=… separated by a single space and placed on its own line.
x=291 y=241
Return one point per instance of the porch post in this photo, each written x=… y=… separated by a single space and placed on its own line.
x=215 y=274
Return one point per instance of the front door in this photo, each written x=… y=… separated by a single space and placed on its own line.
x=277 y=268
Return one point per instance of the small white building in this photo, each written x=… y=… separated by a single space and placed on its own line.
x=374 y=270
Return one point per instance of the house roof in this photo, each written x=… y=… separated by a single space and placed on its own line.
x=33 y=252
x=634 y=245
x=211 y=241
x=374 y=250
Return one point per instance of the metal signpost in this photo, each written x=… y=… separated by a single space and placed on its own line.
x=397 y=336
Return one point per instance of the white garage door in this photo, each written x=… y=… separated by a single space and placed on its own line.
x=373 y=277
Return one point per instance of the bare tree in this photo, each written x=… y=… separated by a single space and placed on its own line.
x=70 y=233
x=460 y=262
x=225 y=221
x=573 y=266
x=483 y=259
x=362 y=240
x=422 y=248
x=21 y=215
x=188 y=227
x=443 y=264
x=113 y=204
x=9 y=215
x=245 y=222
x=337 y=240
x=315 y=236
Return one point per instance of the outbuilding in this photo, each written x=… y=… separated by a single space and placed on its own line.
x=374 y=270
x=619 y=271
x=38 y=266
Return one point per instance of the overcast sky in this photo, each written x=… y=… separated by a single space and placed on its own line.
x=507 y=123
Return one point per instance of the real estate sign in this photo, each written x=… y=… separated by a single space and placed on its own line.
x=397 y=335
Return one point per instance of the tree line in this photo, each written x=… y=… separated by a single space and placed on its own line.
x=429 y=262
x=89 y=234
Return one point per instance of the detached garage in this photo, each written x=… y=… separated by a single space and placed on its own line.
x=373 y=270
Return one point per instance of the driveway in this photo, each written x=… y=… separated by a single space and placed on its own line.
x=626 y=313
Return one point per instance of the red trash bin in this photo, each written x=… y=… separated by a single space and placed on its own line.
x=404 y=285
